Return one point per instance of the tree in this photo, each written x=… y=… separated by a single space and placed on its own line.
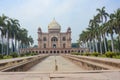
x=30 y=39
x=13 y=31
x=103 y=18
x=116 y=21
x=3 y=20
x=110 y=27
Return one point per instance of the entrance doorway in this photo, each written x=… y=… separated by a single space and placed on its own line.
x=54 y=41
x=54 y=45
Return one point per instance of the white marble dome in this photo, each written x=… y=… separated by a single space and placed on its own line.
x=54 y=25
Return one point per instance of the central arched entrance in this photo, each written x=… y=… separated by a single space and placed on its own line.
x=54 y=45
x=54 y=42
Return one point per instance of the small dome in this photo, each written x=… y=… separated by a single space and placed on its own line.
x=54 y=25
x=69 y=28
x=39 y=29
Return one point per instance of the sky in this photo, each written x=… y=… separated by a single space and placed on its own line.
x=68 y=13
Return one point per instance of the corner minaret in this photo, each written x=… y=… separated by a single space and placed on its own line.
x=39 y=37
x=69 y=37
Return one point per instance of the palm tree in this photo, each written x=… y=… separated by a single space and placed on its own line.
x=103 y=18
x=3 y=19
x=8 y=33
x=96 y=21
x=91 y=31
x=14 y=29
x=30 y=39
x=86 y=39
x=110 y=29
x=116 y=21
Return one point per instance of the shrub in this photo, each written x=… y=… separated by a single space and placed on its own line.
x=7 y=57
x=1 y=56
x=22 y=55
x=32 y=54
x=87 y=54
x=118 y=53
x=14 y=55
x=81 y=53
x=103 y=55
x=96 y=54
x=75 y=53
x=27 y=54
x=117 y=57
x=110 y=54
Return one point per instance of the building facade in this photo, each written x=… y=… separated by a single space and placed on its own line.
x=54 y=38
x=54 y=41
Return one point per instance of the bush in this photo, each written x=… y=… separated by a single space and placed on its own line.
x=117 y=57
x=14 y=55
x=22 y=55
x=7 y=57
x=87 y=54
x=32 y=54
x=96 y=54
x=81 y=54
x=118 y=53
x=75 y=53
x=27 y=54
x=103 y=55
x=110 y=54
x=1 y=56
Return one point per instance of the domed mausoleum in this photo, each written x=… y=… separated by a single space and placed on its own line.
x=54 y=38
x=54 y=41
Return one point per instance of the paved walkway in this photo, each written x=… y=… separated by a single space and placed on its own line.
x=49 y=65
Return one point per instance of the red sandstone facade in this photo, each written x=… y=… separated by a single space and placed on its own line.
x=54 y=41
x=54 y=38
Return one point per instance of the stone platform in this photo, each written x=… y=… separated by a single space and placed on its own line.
x=67 y=70
x=85 y=75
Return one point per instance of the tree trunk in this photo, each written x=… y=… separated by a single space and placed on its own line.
x=96 y=45
x=100 y=45
x=15 y=45
x=12 y=45
x=90 y=46
x=104 y=43
x=87 y=45
x=7 y=43
x=112 y=43
x=93 y=45
x=18 y=48
x=2 y=45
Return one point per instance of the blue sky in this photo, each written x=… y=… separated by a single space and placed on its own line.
x=68 y=13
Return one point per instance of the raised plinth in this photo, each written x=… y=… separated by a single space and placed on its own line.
x=89 y=75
